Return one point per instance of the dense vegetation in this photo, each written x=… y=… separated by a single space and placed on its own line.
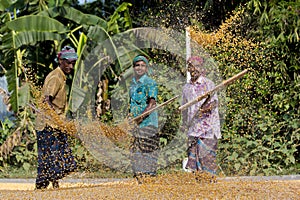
x=261 y=128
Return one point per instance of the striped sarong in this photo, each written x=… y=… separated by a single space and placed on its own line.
x=202 y=154
x=144 y=150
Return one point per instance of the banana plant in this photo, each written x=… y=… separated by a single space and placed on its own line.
x=16 y=34
x=26 y=30
x=20 y=32
x=52 y=23
x=4 y=4
x=100 y=32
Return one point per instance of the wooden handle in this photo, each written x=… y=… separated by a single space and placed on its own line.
x=218 y=87
x=151 y=110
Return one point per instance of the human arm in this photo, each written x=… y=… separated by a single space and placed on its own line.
x=211 y=101
x=53 y=90
x=208 y=107
x=48 y=100
x=151 y=104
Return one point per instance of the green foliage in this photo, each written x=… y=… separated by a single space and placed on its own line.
x=118 y=23
x=178 y=15
x=23 y=154
x=261 y=129
x=278 y=20
x=29 y=42
x=5 y=4
x=6 y=127
x=85 y=161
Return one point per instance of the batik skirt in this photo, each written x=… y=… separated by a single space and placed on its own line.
x=144 y=150
x=202 y=154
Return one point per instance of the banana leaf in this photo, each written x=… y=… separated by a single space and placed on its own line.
x=36 y=23
x=75 y=16
x=4 y=4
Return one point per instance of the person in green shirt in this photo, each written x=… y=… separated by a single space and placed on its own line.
x=143 y=97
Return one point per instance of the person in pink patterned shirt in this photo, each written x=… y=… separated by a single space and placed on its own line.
x=201 y=120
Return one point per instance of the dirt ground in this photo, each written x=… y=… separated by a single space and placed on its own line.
x=174 y=186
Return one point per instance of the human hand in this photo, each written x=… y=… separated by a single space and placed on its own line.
x=130 y=122
x=139 y=120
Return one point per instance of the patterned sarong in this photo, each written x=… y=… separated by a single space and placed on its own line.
x=202 y=154
x=55 y=159
x=145 y=150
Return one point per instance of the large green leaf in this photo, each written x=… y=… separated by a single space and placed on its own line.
x=77 y=95
x=98 y=34
x=31 y=37
x=24 y=95
x=75 y=16
x=4 y=4
x=13 y=81
x=36 y=23
x=7 y=42
x=53 y=3
x=22 y=31
x=117 y=22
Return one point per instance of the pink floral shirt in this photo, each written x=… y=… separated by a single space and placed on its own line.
x=204 y=125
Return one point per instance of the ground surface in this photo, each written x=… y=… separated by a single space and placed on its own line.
x=171 y=186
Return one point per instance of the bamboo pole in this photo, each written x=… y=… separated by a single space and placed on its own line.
x=188 y=50
x=152 y=109
x=39 y=111
x=218 y=87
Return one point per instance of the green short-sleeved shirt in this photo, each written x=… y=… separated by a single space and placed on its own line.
x=140 y=92
x=55 y=86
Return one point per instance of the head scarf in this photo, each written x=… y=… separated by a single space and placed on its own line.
x=140 y=58
x=67 y=53
x=196 y=61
